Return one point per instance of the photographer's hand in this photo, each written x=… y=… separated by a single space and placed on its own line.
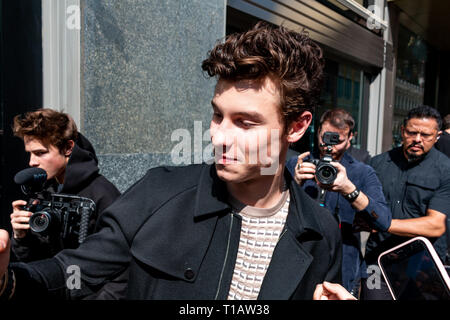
x=20 y=219
x=304 y=170
x=344 y=186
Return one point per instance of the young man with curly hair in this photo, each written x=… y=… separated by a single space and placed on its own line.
x=54 y=144
x=237 y=229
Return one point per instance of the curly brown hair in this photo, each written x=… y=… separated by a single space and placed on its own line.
x=50 y=127
x=292 y=58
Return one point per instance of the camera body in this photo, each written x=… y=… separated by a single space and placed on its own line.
x=63 y=215
x=326 y=173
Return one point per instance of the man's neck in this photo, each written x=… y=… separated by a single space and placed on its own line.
x=264 y=192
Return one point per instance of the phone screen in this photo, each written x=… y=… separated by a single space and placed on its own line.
x=413 y=274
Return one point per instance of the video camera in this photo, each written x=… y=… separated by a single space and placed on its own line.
x=326 y=173
x=54 y=213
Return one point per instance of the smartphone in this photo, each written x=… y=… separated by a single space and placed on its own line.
x=413 y=271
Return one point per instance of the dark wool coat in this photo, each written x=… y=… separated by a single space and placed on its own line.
x=177 y=234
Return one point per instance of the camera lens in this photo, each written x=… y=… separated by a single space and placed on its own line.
x=40 y=221
x=326 y=173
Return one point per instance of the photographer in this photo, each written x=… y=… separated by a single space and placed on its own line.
x=355 y=196
x=54 y=144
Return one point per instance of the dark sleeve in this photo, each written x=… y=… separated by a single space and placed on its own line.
x=29 y=248
x=103 y=256
x=35 y=247
x=43 y=279
x=377 y=213
x=440 y=200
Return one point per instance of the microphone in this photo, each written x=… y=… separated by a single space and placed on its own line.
x=31 y=179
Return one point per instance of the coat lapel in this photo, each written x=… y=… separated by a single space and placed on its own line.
x=289 y=263
x=290 y=259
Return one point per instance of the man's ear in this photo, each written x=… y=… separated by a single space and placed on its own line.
x=298 y=127
x=69 y=148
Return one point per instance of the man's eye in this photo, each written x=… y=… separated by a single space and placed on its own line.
x=246 y=123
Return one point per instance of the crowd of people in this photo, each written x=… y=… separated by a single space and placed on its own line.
x=233 y=230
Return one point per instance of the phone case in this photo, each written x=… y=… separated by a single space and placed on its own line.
x=436 y=260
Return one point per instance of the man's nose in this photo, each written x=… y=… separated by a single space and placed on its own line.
x=418 y=137
x=33 y=161
x=223 y=134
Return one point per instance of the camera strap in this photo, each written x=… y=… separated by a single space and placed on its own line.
x=321 y=199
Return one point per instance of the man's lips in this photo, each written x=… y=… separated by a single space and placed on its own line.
x=415 y=148
x=226 y=160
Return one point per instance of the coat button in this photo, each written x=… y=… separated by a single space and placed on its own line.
x=189 y=274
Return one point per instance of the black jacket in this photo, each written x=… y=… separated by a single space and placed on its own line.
x=82 y=178
x=443 y=144
x=176 y=232
x=359 y=154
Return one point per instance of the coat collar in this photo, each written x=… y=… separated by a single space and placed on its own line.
x=212 y=195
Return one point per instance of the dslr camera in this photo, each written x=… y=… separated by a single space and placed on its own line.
x=61 y=214
x=326 y=173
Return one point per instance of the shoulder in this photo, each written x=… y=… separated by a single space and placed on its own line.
x=378 y=161
x=359 y=154
x=380 y=157
x=317 y=215
x=183 y=176
x=441 y=162
x=159 y=187
x=356 y=168
x=165 y=182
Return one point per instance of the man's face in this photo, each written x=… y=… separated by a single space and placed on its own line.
x=418 y=136
x=48 y=158
x=344 y=138
x=246 y=129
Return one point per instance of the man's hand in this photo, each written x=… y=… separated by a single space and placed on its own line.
x=331 y=291
x=342 y=184
x=20 y=219
x=4 y=253
x=304 y=170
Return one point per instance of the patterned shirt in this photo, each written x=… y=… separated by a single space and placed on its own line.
x=260 y=231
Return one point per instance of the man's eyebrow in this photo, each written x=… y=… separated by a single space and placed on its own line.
x=214 y=105
x=247 y=114
x=37 y=150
